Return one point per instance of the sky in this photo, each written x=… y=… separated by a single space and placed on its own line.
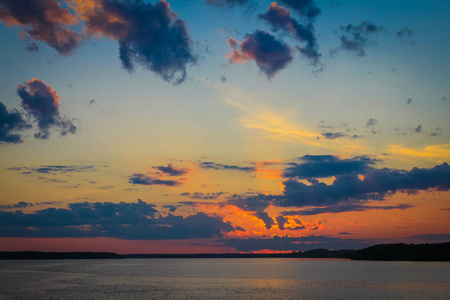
x=215 y=126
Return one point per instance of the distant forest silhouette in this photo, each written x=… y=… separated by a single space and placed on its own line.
x=385 y=252
x=405 y=252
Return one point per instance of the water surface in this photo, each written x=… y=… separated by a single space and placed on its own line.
x=223 y=278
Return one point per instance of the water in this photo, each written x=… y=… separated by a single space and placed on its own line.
x=253 y=278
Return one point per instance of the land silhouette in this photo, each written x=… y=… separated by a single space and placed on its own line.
x=381 y=252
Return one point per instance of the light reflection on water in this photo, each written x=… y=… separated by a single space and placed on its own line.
x=254 y=278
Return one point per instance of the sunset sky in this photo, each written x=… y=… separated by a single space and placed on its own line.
x=193 y=126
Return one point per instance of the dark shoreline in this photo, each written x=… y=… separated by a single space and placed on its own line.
x=381 y=252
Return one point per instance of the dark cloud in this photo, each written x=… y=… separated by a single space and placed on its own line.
x=147 y=180
x=281 y=221
x=305 y=8
x=106 y=187
x=321 y=166
x=371 y=122
x=84 y=213
x=21 y=204
x=436 y=132
x=375 y=184
x=285 y=243
x=204 y=196
x=356 y=181
x=171 y=171
x=322 y=125
x=172 y=208
x=105 y=219
x=355 y=136
x=55 y=169
x=52 y=180
x=354 y=38
x=343 y=208
x=253 y=203
x=215 y=166
x=270 y=54
x=431 y=237
x=10 y=123
x=263 y=216
x=229 y=3
x=404 y=33
x=333 y=135
x=42 y=103
x=148 y=34
x=42 y=20
x=32 y=47
x=280 y=18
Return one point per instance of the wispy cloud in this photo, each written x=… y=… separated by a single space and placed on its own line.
x=433 y=153
x=280 y=124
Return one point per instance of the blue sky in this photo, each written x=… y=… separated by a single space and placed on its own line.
x=382 y=96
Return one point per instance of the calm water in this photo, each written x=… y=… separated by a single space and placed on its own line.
x=223 y=278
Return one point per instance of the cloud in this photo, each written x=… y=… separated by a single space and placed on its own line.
x=147 y=180
x=343 y=208
x=253 y=203
x=229 y=3
x=355 y=136
x=355 y=181
x=105 y=219
x=436 y=132
x=42 y=20
x=285 y=243
x=281 y=221
x=21 y=204
x=263 y=216
x=270 y=54
x=280 y=19
x=204 y=196
x=434 y=153
x=172 y=208
x=409 y=101
x=281 y=125
x=354 y=38
x=375 y=184
x=322 y=166
x=215 y=166
x=405 y=32
x=171 y=171
x=333 y=135
x=418 y=128
x=42 y=102
x=55 y=169
x=32 y=47
x=371 y=122
x=305 y=8
x=150 y=35
x=10 y=123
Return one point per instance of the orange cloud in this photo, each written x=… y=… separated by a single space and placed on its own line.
x=43 y=20
x=434 y=153
x=261 y=172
